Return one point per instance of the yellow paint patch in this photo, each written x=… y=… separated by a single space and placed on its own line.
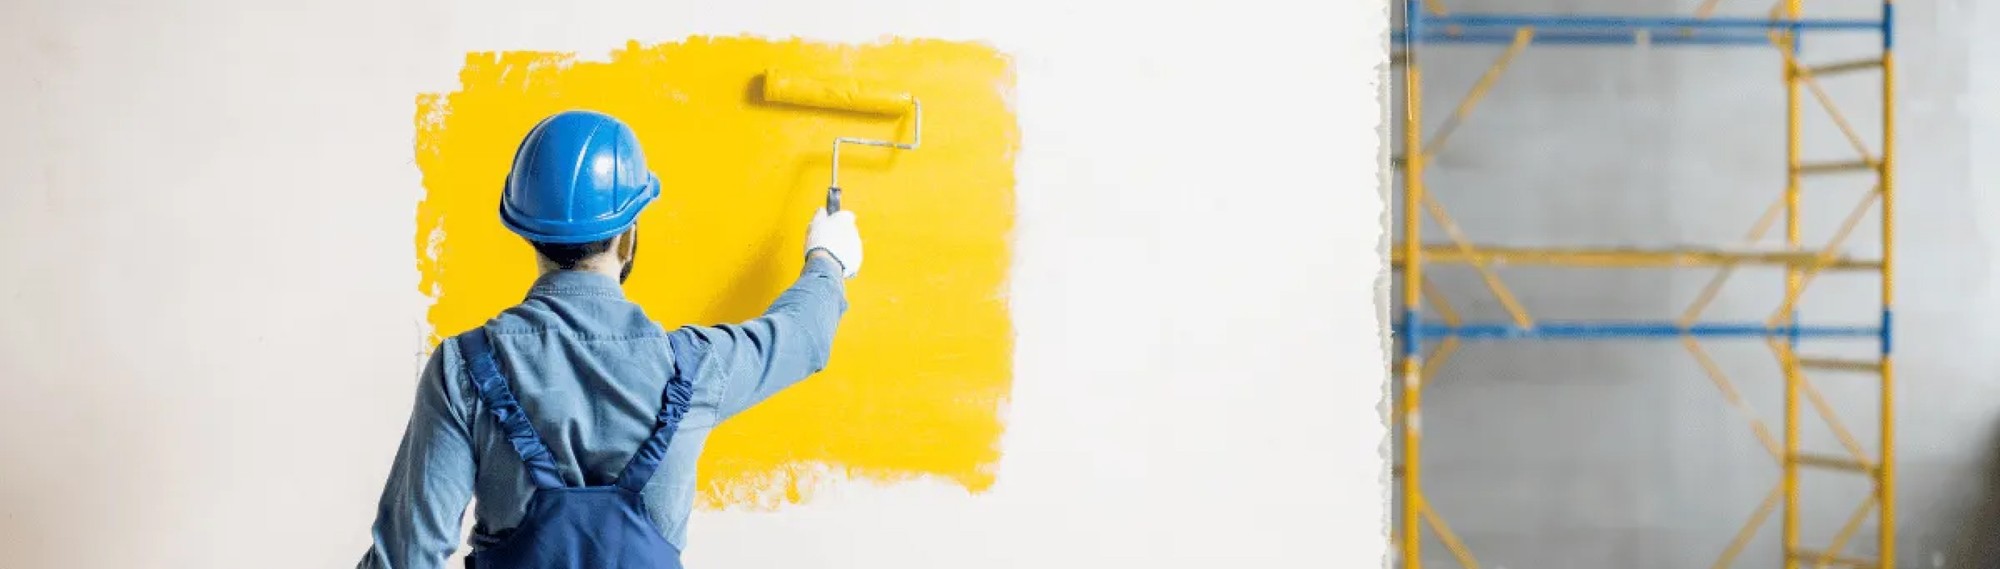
x=922 y=365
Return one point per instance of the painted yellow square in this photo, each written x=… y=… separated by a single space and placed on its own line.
x=922 y=366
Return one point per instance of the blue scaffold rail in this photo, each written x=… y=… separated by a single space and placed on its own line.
x=1484 y=37
x=1628 y=330
x=1585 y=29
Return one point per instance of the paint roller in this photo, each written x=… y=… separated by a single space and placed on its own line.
x=850 y=95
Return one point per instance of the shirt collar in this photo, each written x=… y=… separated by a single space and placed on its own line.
x=576 y=283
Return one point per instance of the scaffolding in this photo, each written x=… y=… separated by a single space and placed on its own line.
x=1427 y=341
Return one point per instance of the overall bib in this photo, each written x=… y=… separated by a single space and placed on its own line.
x=585 y=527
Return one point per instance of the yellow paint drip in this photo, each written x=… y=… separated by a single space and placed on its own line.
x=922 y=365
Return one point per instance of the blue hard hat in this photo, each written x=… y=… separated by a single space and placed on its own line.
x=578 y=177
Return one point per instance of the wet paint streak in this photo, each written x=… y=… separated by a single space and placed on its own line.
x=922 y=367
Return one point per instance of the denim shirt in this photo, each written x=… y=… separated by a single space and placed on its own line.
x=589 y=368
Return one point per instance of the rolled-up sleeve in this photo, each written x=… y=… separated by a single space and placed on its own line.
x=790 y=342
x=417 y=522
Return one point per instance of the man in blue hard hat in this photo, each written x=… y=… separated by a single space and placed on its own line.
x=573 y=418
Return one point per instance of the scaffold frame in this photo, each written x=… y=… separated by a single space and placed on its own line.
x=1428 y=22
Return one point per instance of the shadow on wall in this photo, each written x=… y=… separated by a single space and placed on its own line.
x=1976 y=544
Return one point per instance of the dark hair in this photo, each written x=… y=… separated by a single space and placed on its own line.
x=566 y=256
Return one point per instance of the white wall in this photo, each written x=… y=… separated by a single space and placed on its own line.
x=209 y=323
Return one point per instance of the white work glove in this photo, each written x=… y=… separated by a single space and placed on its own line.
x=836 y=235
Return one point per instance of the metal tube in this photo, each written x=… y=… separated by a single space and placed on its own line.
x=1615 y=330
x=1843 y=67
x=1885 y=482
x=1575 y=22
x=1522 y=38
x=1634 y=258
x=916 y=139
x=1585 y=38
x=1789 y=356
x=1409 y=405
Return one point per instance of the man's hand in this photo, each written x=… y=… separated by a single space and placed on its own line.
x=836 y=236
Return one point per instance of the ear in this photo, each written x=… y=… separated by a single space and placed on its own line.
x=628 y=244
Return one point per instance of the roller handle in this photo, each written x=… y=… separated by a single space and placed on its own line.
x=833 y=199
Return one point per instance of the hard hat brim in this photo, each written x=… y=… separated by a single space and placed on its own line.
x=585 y=231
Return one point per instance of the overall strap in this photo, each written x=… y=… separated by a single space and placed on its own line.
x=673 y=405
x=499 y=399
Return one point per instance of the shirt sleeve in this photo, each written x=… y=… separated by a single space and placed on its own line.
x=417 y=522
x=790 y=342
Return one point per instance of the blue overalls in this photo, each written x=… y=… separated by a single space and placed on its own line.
x=584 y=527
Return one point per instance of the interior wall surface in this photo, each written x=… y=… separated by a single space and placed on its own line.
x=232 y=230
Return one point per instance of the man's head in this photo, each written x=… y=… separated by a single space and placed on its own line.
x=575 y=192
